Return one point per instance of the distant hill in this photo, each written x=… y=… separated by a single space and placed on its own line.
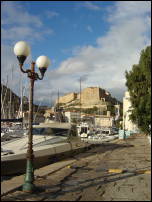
x=10 y=103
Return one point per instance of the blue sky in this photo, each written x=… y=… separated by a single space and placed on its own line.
x=97 y=40
x=71 y=24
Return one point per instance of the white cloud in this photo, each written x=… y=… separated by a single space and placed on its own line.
x=15 y=14
x=115 y=52
x=21 y=32
x=51 y=14
x=103 y=64
x=18 y=24
x=128 y=10
x=89 y=28
x=24 y=33
x=91 y=6
x=10 y=69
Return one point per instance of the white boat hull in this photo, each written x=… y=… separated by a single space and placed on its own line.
x=16 y=163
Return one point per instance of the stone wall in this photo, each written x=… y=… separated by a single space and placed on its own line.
x=104 y=121
x=94 y=95
x=67 y=98
x=90 y=95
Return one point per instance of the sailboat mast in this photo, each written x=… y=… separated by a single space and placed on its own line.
x=10 y=107
x=80 y=98
x=2 y=87
x=37 y=110
x=58 y=101
x=20 y=110
x=51 y=103
x=3 y=103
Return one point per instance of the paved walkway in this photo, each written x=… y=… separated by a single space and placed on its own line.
x=113 y=171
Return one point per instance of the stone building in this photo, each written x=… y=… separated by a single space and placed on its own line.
x=104 y=120
x=67 y=98
x=72 y=115
x=90 y=97
x=127 y=123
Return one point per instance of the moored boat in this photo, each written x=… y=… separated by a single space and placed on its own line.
x=48 y=139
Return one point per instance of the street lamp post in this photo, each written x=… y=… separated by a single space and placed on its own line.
x=22 y=50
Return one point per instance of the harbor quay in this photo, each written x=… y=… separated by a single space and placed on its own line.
x=118 y=170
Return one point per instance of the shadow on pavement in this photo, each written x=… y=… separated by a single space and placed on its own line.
x=102 y=148
x=92 y=183
x=73 y=186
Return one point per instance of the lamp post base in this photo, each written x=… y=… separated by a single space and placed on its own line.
x=28 y=187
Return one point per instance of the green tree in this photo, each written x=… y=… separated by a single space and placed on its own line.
x=139 y=86
x=93 y=110
x=111 y=108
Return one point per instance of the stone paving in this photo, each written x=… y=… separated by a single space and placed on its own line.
x=88 y=179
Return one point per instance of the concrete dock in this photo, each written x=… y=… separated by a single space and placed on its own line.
x=119 y=170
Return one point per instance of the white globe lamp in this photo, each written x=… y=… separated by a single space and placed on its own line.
x=43 y=62
x=21 y=50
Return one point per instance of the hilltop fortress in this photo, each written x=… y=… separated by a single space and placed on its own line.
x=90 y=97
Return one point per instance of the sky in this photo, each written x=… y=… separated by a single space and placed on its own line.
x=95 y=40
